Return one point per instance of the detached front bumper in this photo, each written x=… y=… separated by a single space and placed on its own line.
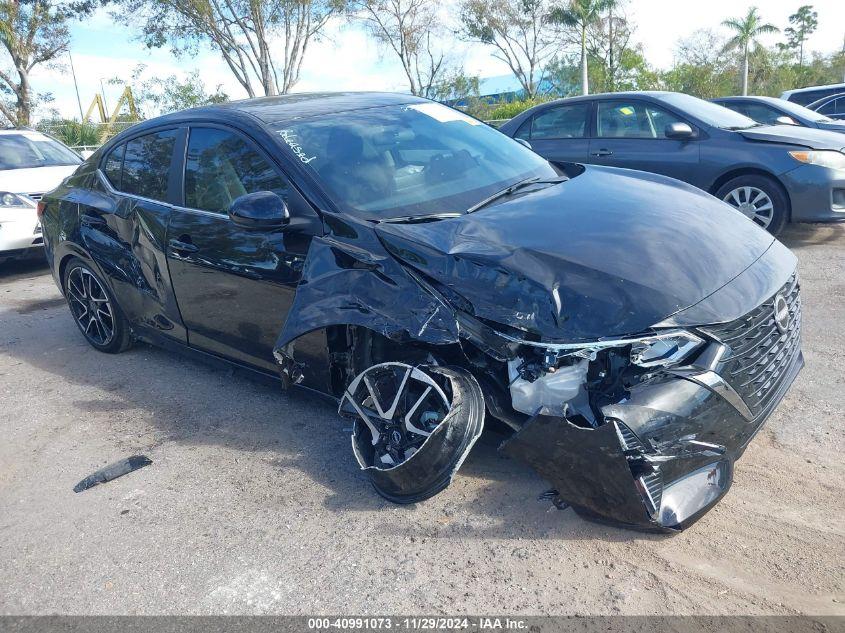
x=665 y=453
x=664 y=457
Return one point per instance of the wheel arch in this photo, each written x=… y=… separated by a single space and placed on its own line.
x=752 y=171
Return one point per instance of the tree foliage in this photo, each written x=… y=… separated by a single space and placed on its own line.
x=241 y=31
x=583 y=15
x=413 y=31
x=160 y=95
x=746 y=31
x=32 y=33
x=803 y=24
x=521 y=33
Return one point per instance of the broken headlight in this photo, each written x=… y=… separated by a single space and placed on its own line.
x=662 y=350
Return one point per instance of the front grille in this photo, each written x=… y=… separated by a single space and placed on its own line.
x=652 y=490
x=761 y=355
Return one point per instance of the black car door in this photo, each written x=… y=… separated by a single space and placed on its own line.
x=123 y=218
x=234 y=285
x=631 y=133
x=559 y=133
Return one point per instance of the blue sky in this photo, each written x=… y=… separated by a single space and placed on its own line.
x=346 y=59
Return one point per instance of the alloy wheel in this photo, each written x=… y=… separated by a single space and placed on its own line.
x=400 y=406
x=90 y=306
x=753 y=203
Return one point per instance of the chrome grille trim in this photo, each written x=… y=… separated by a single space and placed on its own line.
x=760 y=356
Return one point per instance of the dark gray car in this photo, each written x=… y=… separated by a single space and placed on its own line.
x=772 y=174
x=773 y=111
x=832 y=106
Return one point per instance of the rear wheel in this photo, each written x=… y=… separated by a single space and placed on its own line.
x=758 y=198
x=94 y=309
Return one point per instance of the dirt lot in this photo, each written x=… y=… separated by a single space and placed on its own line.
x=254 y=504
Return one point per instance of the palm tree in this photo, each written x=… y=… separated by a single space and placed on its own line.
x=747 y=29
x=583 y=14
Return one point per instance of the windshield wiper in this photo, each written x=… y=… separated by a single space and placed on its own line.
x=535 y=180
x=420 y=218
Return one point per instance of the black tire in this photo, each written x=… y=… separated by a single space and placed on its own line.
x=89 y=299
x=733 y=192
x=429 y=470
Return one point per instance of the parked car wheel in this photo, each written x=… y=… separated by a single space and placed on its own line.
x=95 y=310
x=758 y=198
x=413 y=426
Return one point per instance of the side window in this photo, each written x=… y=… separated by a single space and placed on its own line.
x=633 y=119
x=561 y=122
x=834 y=106
x=146 y=165
x=762 y=113
x=221 y=166
x=113 y=165
x=524 y=131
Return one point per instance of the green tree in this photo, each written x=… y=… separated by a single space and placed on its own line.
x=520 y=31
x=582 y=15
x=32 y=33
x=412 y=31
x=160 y=95
x=804 y=23
x=241 y=31
x=747 y=29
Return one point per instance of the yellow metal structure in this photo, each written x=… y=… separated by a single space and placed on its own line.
x=126 y=98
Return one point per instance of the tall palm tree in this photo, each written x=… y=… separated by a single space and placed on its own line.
x=747 y=29
x=582 y=14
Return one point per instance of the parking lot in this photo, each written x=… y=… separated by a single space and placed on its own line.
x=254 y=502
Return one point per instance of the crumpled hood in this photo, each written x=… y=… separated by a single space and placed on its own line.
x=793 y=135
x=610 y=252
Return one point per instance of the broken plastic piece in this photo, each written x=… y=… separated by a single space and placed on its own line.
x=113 y=471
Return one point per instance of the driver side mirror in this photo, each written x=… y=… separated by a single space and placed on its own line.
x=259 y=210
x=786 y=120
x=679 y=131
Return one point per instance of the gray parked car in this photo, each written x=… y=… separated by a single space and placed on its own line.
x=773 y=111
x=772 y=174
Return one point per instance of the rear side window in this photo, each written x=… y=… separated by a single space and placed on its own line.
x=834 y=106
x=561 y=122
x=222 y=166
x=113 y=165
x=146 y=165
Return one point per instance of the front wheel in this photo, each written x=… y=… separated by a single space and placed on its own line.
x=413 y=426
x=758 y=198
x=94 y=309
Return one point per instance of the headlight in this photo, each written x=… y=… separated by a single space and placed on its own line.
x=8 y=199
x=664 y=349
x=823 y=158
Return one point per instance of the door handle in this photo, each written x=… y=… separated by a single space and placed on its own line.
x=182 y=247
x=602 y=152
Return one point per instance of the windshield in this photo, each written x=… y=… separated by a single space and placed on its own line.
x=799 y=110
x=409 y=160
x=28 y=150
x=709 y=113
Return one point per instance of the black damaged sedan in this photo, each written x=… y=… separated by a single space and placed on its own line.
x=427 y=271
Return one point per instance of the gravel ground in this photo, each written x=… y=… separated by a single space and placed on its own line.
x=254 y=504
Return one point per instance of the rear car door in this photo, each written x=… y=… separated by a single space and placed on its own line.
x=559 y=133
x=234 y=285
x=123 y=218
x=631 y=133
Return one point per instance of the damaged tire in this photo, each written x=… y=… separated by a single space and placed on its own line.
x=413 y=426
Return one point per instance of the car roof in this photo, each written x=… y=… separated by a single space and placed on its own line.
x=788 y=93
x=283 y=108
x=772 y=100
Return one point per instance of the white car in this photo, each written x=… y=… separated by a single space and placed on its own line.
x=31 y=164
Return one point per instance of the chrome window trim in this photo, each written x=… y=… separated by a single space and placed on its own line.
x=110 y=189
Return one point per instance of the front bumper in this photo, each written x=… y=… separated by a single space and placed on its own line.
x=664 y=458
x=817 y=193
x=20 y=233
